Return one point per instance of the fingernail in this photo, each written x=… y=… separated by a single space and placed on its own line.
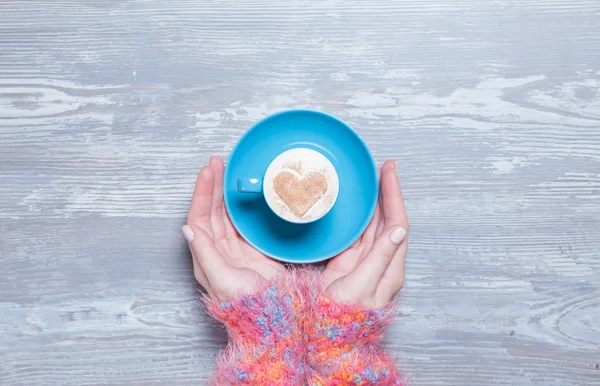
x=398 y=235
x=395 y=165
x=188 y=233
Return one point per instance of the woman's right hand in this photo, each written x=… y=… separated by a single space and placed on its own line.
x=371 y=272
x=224 y=263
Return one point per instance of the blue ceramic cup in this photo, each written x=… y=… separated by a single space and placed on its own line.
x=318 y=240
x=300 y=185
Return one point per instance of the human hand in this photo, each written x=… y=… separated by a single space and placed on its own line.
x=371 y=271
x=224 y=264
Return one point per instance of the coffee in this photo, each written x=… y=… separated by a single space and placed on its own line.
x=301 y=185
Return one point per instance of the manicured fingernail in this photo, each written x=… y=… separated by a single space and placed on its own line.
x=398 y=235
x=188 y=233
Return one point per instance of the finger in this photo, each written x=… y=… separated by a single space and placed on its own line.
x=389 y=164
x=367 y=238
x=393 y=279
x=199 y=274
x=201 y=278
x=380 y=224
x=202 y=197
x=217 y=210
x=370 y=271
x=394 y=212
x=230 y=230
x=204 y=252
x=394 y=276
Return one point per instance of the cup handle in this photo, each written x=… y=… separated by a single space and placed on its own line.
x=249 y=185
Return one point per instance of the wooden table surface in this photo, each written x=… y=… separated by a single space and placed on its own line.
x=108 y=109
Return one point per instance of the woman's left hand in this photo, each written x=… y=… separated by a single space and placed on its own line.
x=224 y=264
x=371 y=272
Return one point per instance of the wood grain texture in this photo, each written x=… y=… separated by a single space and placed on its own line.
x=108 y=110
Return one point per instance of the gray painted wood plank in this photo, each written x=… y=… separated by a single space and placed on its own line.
x=108 y=110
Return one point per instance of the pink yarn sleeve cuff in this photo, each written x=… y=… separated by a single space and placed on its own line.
x=343 y=345
x=266 y=342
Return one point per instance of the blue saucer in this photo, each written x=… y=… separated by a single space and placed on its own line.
x=336 y=231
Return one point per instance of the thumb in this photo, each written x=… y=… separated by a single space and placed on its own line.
x=204 y=252
x=370 y=271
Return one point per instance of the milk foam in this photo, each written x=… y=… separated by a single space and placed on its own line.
x=300 y=162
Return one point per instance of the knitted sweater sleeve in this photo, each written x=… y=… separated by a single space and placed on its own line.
x=343 y=345
x=265 y=337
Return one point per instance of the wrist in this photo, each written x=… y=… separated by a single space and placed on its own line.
x=264 y=331
x=343 y=342
x=348 y=325
x=261 y=318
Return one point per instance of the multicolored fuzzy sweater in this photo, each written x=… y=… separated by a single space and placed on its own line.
x=288 y=333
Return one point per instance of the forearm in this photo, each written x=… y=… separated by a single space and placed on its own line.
x=290 y=334
x=264 y=337
x=343 y=345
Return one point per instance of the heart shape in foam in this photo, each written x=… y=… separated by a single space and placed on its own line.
x=300 y=192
